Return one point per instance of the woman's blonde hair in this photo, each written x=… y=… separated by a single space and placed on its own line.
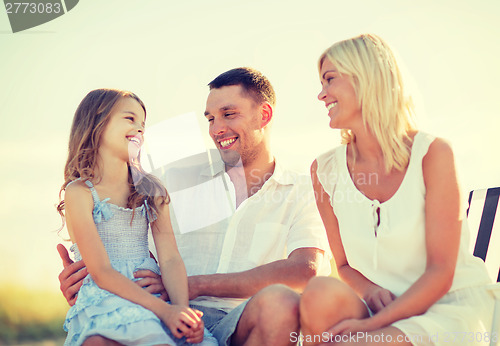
x=89 y=122
x=386 y=110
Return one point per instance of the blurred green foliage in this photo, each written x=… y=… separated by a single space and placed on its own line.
x=30 y=315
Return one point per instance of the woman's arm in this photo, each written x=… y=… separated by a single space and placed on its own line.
x=443 y=220
x=82 y=230
x=374 y=295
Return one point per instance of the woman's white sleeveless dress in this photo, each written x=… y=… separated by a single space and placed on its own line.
x=393 y=254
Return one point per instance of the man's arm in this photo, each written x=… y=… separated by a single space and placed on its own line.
x=306 y=236
x=295 y=272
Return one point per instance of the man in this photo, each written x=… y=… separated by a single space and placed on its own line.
x=270 y=243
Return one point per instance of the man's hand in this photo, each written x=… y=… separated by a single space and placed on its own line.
x=71 y=277
x=151 y=282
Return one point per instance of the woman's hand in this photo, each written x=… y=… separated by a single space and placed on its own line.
x=378 y=298
x=182 y=321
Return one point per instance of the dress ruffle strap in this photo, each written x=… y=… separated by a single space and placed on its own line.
x=102 y=211
x=148 y=213
x=101 y=208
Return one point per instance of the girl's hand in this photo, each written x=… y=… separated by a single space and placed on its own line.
x=181 y=320
x=379 y=298
x=196 y=335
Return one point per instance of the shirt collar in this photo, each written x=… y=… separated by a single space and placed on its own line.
x=215 y=167
x=280 y=174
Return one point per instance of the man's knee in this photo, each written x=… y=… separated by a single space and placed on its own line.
x=277 y=302
x=275 y=307
x=269 y=317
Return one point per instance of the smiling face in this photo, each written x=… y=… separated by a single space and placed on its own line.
x=235 y=124
x=339 y=97
x=123 y=135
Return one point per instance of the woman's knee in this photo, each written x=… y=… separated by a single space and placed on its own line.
x=323 y=290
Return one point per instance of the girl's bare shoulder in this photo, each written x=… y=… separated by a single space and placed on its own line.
x=76 y=191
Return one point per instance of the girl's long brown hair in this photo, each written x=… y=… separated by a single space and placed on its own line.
x=89 y=122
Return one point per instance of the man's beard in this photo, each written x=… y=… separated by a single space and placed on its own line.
x=233 y=158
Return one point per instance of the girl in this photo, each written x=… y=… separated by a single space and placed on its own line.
x=109 y=202
x=390 y=202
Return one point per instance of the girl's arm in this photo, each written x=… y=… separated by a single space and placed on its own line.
x=443 y=220
x=82 y=230
x=173 y=271
x=375 y=296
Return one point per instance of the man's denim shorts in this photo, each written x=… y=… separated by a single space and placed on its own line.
x=221 y=324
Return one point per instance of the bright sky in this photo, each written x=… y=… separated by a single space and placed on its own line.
x=168 y=51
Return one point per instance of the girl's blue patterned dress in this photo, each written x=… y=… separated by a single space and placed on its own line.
x=99 y=312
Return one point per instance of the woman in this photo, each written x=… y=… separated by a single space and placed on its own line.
x=390 y=202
